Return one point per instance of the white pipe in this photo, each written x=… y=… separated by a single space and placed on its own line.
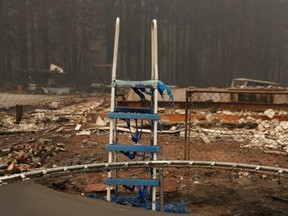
x=154 y=76
x=152 y=52
x=113 y=92
x=116 y=43
x=155 y=144
x=136 y=164
x=132 y=130
x=155 y=49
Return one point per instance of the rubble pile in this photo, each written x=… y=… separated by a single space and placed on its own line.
x=8 y=125
x=27 y=156
x=208 y=135
x=19 y=153
x=271 y=135
x=48 y=119
x=74 y=113
x=253 y=132
x=270 y=113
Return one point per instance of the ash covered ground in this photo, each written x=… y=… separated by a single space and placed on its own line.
x=69 y=132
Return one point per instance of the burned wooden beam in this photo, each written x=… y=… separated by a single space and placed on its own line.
x=19 y=113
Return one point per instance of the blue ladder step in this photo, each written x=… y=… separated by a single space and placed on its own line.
x=140 y=182
x=152 y=84
x=122 y=115
x=132 y=148
x=134 y=110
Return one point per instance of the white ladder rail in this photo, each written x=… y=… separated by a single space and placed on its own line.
x=113 y=122
x=154 y=76
x=154 y=50
x=113 y=91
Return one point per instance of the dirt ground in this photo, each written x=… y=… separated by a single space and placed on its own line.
x=205 y=191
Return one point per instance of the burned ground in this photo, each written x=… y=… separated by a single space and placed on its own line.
x=48 y=138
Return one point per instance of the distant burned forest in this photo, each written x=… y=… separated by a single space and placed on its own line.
x=201 y=42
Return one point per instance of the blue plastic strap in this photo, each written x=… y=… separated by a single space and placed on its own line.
x=135 y=138
x=137 y=91
x=138 y=135
x=129 y=155
x=162 y=89
x=142 y=192
x=146 y=92
x=130 y=188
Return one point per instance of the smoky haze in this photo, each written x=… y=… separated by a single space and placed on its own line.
x=201 y=42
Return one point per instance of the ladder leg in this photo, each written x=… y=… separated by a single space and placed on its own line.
x=113 y=93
